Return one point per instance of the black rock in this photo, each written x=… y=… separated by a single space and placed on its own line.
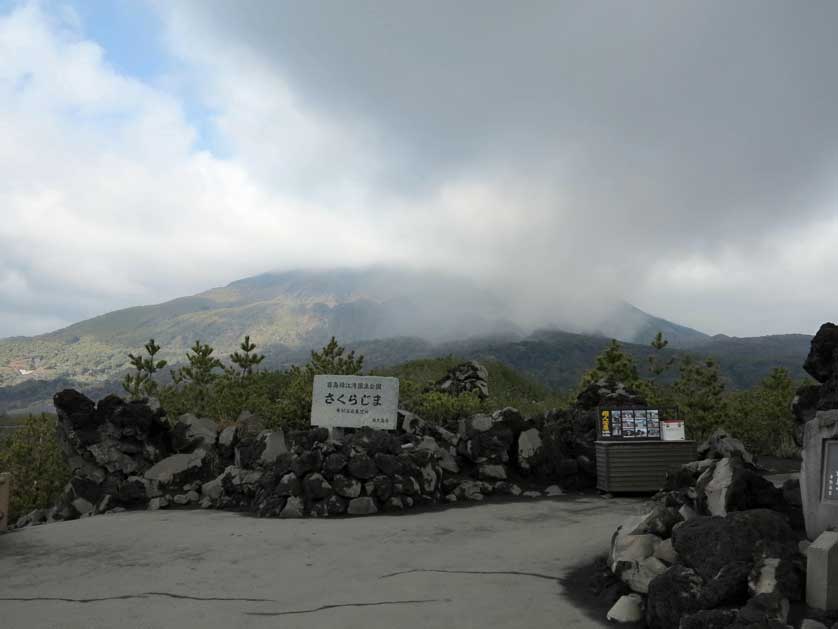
x=335 y=505
x=288 y=485
x=709 y=619
x=346 y=486
x=608 y=393
x=374 y=441
x=249 y=450
x=763 y=611
x=672 y=595
x=132 y=493
x=334 y=463
x=707 y=544
x=308 y=461
x=306 y=439
x=76 y=408
x=728 y=587
x=822 y=360
x=382 y=487
x=388 y=464
x=316 y=487
x=363 y=467
x=791 y=492
x=283 y=463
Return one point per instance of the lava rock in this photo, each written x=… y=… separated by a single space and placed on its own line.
x=179 y=469
x=706 y=544
x=191 y=432
x=362 y=506
x=288 y=485
x=293 y=508
x=346 y=486
x=388 y=464
x=673 y=594
x=308 y=461
x=362 y=467
x=822 y=361
x=335 y=505
x=334 y=463
x=316 y=487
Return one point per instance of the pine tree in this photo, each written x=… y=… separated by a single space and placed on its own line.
x=245 y=361
x=614 y=365
x=141 y=384
x=699 y=393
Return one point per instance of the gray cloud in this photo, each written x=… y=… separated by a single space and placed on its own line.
x=681 y=156
x=651 y=134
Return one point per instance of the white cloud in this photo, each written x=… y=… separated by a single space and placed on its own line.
x=109 y=200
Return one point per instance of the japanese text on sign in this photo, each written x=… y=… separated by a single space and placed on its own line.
x=354 y=401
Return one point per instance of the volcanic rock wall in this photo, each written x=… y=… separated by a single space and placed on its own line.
x=129 y=455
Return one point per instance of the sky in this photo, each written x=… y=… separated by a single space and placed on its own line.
x=679 y=156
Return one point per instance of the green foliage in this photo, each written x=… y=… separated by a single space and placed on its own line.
x=613 y=364
x=141 y=383
x=657 y=365
x=193 y=381
x=33 y=456
x=762 y=416
x=699 y=395
x=507 y=387
x=282 y=398
x=295 y=404
x=246 y=361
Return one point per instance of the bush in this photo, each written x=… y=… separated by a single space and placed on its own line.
x=34 y=458
x=761 y=417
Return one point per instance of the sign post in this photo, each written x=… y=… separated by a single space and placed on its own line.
x=340 y=401
x=5 y=491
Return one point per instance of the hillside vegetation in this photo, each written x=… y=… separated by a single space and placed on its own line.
x=208 y=386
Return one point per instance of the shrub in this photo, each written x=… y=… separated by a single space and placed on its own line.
x=34 y=458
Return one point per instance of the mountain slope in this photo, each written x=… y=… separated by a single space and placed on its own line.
x=298 y=309
x=389 y=315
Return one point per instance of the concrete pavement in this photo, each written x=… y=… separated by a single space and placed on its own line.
x=480 y=567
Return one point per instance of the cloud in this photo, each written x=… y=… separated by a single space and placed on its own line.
x=106 y=201
x=649 y=151
x=567 y=154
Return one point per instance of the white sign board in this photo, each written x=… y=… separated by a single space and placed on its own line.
x=672 y=430
x=355 y=401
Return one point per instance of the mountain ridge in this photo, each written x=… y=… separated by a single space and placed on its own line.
x=289 y=313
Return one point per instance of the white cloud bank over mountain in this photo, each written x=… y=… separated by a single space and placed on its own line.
x=682 y=158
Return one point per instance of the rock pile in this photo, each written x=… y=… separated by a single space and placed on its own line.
x=719 y=547
x=465 y=378
x=129 y=455
x=822 y=365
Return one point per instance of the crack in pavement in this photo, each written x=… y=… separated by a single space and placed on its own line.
x=509 y=572
x=123 y=597
x=337 y=606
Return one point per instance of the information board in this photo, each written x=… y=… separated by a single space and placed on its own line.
x=673 y=430
x=630 y=423
x=830 y=472
x=355 y=401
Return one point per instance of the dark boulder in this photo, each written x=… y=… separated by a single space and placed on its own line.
x=308 y=461
x=728 y=587
x=334 y=463
x=316 y=487
x=362 y=467
x=720 y=445
x=388 y=464
x=707 y=544
x=709 y=619
x=822 y=361
x=672 y=595
x=605 y=393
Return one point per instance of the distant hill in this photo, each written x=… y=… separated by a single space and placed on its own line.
x=389 y=315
